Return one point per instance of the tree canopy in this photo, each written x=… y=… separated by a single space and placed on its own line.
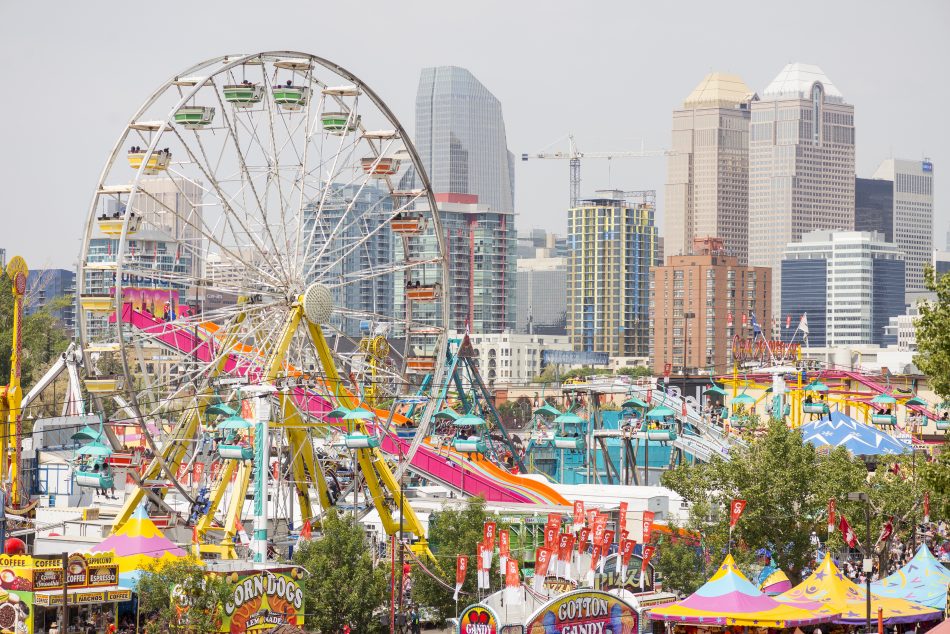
x=343 y=587
x=933 y=334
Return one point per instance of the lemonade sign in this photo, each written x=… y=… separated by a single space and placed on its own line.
x=263 y=599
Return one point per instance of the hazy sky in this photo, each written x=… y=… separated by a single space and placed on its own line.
x=610 y=72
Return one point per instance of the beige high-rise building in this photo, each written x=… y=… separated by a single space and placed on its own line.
x=801 y=164
x=707 y=188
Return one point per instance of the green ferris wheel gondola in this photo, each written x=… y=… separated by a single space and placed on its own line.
x=235 y=422
x=660 y=412
x=87 y=433
x=816 y=386
x=743 y=399
x=94 y=449
x=470 y=420
x=447 y=414
x=569 y=418
x=359 y=414
x=883 y=399
x=547 y=410
x=633 y=403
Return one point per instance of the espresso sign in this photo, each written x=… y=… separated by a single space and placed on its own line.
x=103 y=575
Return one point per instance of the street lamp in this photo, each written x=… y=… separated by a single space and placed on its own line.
x=868 y=567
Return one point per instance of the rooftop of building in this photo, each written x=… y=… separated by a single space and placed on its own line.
x=826 y=240
x=795 y=81
x=719 y=90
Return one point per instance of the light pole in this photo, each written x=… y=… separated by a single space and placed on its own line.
x=868 y=565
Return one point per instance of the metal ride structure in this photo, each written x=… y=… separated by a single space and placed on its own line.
x=246 y=232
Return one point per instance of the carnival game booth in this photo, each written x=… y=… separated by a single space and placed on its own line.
x=922 y=580
x=828 y=587
x=729 y=600
x=32 y=591
x=518 y=611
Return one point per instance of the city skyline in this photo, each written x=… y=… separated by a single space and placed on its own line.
x=537 y=82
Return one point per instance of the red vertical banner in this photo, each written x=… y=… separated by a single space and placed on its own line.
x=735 y=511
x=594 y=557
x=554 y=519
x=461 y=567
x=591 y=516
x=831 y=516
x=582 y=538
x=198 y=471
x=578 y=514
x=542 y=560
x=504 y=543
x=275 y=470
x=683 y=409
x=647 y=526
x=550 y=537
x=489 y=535
x=622 y=518
x=650 y=395
x=565 y=546
x=647 y=554
x=600 y=525
x=626 y=551
x=305 y=531
x=512 y=580
x=926 y=507
x=607 y=540
x=216 y=470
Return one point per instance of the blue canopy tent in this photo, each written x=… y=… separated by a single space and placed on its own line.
x=922 y=580
x=838 y=430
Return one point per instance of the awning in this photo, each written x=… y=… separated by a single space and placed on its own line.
x=83 y=596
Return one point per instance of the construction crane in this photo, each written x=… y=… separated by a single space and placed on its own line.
x=575 y=156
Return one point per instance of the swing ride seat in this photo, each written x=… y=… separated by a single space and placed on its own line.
x=243 y=95
x=740 y=422
x=357 y=440
x=235 y=452
x=88 y=479
x=815 y=408
x=291 y=97
x=469 y=445
x=424 y=292
x=573 y=443
x=339 y=123
x=106 y=384
x=656 y=435
x=380 y=166
x=194 y=117
x=884 y=420
x=157 y=162
x=112 y=226
x=406 y=224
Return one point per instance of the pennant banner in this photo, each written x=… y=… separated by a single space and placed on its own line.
x=622 y=517
x=490 y=535
x=578 y=514
x=647 y=526
x=926 y=507
x=735 y=512
x=648 y=551
x=504 y=543
x=512 y=583
x=461 y=567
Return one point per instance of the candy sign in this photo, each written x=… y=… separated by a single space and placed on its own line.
x=584 y=612
x=478 y=619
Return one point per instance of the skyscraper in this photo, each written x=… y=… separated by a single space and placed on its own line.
x=612 y=239
x=460 y=136
x=707 y=189
x=801 y=164
x=874 y=206
x=542 y=295
x=912 y=216
x=849 y=282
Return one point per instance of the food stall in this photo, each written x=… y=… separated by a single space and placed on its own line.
x=32 y=591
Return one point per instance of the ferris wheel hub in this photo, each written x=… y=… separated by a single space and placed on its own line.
x=317 y=303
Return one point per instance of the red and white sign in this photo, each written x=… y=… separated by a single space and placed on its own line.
x=578 y=514
x=626 y=551
x=461 y=567
x=550 y=536
x=542 y=559
x=591 y=516
x=565 y=546
x=600 y=525
x=554 y=519
x=622 y=517
x=608 y=539
x=489 y=539
x=647 y=526
x=582 y=538
x=504 y=543
x=198 y=471
x=735 y=511
x=512 y=579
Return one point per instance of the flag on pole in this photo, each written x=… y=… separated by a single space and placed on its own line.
x=803 y=325
x=622 y=518
x=756 y=328
x=550 y=536
x=578 y=514
x=461 y=567
x=847 y=533
x=542 y=561
x=484 y=566
x=582 y=538
x=591 y=516
x=504 y=547
x=626 y=551
x=565 y=555
x=683 y=410
x=195 y=538
x=926 y=507
x=554 y=519
x=647 y=526
x=736 y=507
x=886 y=531
x=831 y=516
x=648 y=551
x=489 y=535
x=512 y=583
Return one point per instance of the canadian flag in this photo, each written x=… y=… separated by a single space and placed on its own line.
x=461 y=567
x=886 y=531
x=847 y=533
x=831 y=516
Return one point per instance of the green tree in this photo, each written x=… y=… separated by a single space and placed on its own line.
x=933 y=334
x=681 y=565
x=935 y=479
x=168 y=586
x=636 y=372
x=453 y=532
x=343 y=587
x=786 y=484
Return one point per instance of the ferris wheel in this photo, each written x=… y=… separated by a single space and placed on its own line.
x=262 y=220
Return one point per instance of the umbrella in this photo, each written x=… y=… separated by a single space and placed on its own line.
x=235 y=422
x=94 y=449
x=660 y=412
x=470 y=420
x=916 y=400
